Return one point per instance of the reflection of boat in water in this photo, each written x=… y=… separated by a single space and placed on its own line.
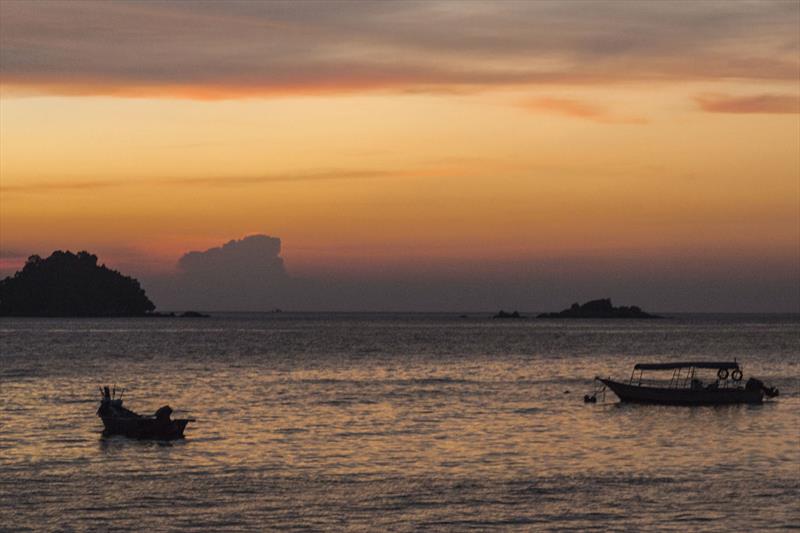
x=118 y=420
x=685 y=387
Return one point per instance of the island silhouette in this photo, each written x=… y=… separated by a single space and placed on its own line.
x=71 y=285
x=602 y=308
x=503 y=314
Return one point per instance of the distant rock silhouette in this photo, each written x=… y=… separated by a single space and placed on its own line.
x=67 y=285
x=193 y=314
x=503 y=314
x=599 y=309
x=173 y=314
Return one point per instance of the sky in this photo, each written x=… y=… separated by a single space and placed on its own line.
x=413 y=155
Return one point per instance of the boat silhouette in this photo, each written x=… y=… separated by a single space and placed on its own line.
x=118 y=420
x=685 y=388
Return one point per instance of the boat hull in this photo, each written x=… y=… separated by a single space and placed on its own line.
x=685 y=396
x=144 y=428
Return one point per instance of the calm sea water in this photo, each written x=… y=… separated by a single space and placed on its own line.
x=392 y=422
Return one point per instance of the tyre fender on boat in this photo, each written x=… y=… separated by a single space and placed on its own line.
x=737 y=375
x=722 y=373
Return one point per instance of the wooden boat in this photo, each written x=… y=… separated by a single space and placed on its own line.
x=685 y=387
x=117 y=420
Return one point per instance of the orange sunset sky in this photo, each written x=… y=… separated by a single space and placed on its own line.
x=409 y=140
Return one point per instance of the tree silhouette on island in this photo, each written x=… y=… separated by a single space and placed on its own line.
x=71 y=285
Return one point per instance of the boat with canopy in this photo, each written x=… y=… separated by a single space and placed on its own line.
x=685 y=386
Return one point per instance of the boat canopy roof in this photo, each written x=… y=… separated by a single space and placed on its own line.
x=692 y=364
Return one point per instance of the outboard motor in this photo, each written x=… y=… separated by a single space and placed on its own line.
x=757 y=384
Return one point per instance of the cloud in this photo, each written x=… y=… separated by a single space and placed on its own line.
x=762 y=103
x=242 y=274
x=212 y=50
x=48 y=186
x=217 y=181
x=579 y=109
x=6 y=253
x=322 y=175
x=257 y=255
x=11 y=261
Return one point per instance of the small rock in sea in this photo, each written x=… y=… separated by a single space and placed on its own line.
x=193 y=314
x=503 y=314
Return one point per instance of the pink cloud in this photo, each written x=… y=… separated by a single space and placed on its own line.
x=580 y=109
x=762 y=103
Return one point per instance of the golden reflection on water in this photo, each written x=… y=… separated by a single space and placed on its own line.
x=311 y=428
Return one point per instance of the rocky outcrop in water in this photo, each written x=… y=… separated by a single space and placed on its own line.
x=503 y=314
x=193 y=314
x=599 y=309
x=71 y=285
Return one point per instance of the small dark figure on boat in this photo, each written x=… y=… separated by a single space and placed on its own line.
x=117 y=420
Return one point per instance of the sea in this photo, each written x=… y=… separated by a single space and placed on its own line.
x=393 y=422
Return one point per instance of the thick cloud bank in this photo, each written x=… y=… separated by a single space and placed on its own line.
x=244 y=48
x=254 y=256
x=246 y=274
